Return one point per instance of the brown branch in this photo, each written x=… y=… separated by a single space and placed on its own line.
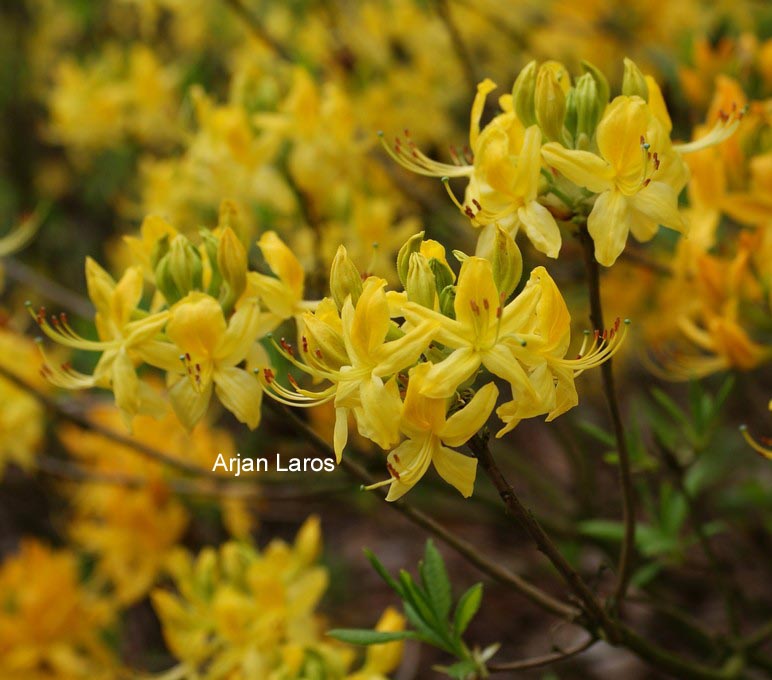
x=543 y=542
x=545 y=660
x=609 y=390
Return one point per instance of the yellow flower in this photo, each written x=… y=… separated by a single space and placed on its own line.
x=51 y=627
x=636 y=175
x=122 y=331
x=210 y=351
x=353 y=353
x=429 y=434
x=384 y=658
x=477 y=335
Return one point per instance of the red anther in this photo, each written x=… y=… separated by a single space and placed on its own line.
x=269 y=376
x=498 y=312
x=643 y=140
x=578 y=356
x=656 y=163
x=187 y=356
x=198 y=367
x=723 y=115
x=414 y=153
x=596 y=334
x=287 y=347
x=407 y=132
x=605 y=335
x=318 y=353
x=395 y=456
x=468 y=155
x=292 y=380
x=454 y=156
x=63 y=317
x=617 y=321
x=304 y=340
x=648 y=155
x=54 y=321
x=476 y=204
x=485 y=303
x=392 y=470
x=647 y=181
x=468 y=212
x=475 y=307
x=67 y=366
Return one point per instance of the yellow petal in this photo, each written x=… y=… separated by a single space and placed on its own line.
x=580 y=167
x=240 y=393
x=365 y=326
x=444 y=377
x=188 y=403
x=541 y=228
x=397 y=355
x=500 y=361
x=659 y=202
x=464 y=424
x=619 y=134
x=196 y=325
x=483 y=89
x=282 y=262
x=608 y=225
x=382 y=409
x=408 y=463
x=456 y=469
x=477 y=298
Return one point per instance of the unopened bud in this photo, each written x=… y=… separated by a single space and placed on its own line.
x=448 y=302
x=421 y=286
x=212 y=276
x=523 y=93
x=589 y=107
x=552 y=84
x=604 y=91
x=232 y=263
x=180 y=270
x=412 y=245
x=634 y=82
x=498 y=247
x=443 y=274
x=345 y=278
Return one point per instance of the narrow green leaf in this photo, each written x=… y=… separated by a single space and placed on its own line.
x=670 y=406
x=426 y=631
x=383 y=573
x=362 y=636
x=601 y=529
x=435 y=581
x=605 y=438
x=466 y=608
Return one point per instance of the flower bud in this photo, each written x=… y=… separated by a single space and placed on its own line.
x=180 y=270
x=232 y=263
x=634 y=82
x=448 y=302
x=552 y=84
x=421 y=286
x=499 y=248
x=523 y=92
x=443 y=274
x=412 y=245
x=345 y=279
x=589 y=108
x=212 y=276
x=604 y=91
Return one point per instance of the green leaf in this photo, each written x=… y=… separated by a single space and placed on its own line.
x=645 y=574
x=362 y=636
x=602 y=529
x=466 y=608
x=605 y=438
x=383 y=573
x=426 y=631
x=416 y=597
x=459 y=671
x=670 y=406
x=435 y=580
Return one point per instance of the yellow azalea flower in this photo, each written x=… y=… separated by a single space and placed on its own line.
x=505 y=186
x=51 y=626
x=429 y=434
x=353 y=353
x=541 y=347
x=636 y=175
x=244 y=613
x=211 y=350
x=121 y=340
x=478 y=334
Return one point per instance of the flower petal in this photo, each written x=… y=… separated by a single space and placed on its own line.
x=444 y=377
x=464 y=424
x=240 y=393
x=541 y=228
x=456 y=469
x=580 y=167
x=609 y=225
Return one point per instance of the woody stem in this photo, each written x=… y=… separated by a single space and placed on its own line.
x=609 y=390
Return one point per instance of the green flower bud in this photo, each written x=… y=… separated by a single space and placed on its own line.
x=448 y=301
x=505 y=258
x=589 y=108
x=412 y=245
x=443 y=274
x=180 y=270
x=345 y=278
x=160 y=249
x=552 y=83
x=421 y=285
x=633 y=81
x=523 y=92
x=209 y=244
x=604 y=91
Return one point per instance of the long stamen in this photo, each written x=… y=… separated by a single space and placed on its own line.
x=756 y=446
x=416 y=161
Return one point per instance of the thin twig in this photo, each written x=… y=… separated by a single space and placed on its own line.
x=49 y=289
x=258 y=30
x=544 y=543
x=459 y=46
x=607 y=374
x=545 y=660
x=467 y=550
